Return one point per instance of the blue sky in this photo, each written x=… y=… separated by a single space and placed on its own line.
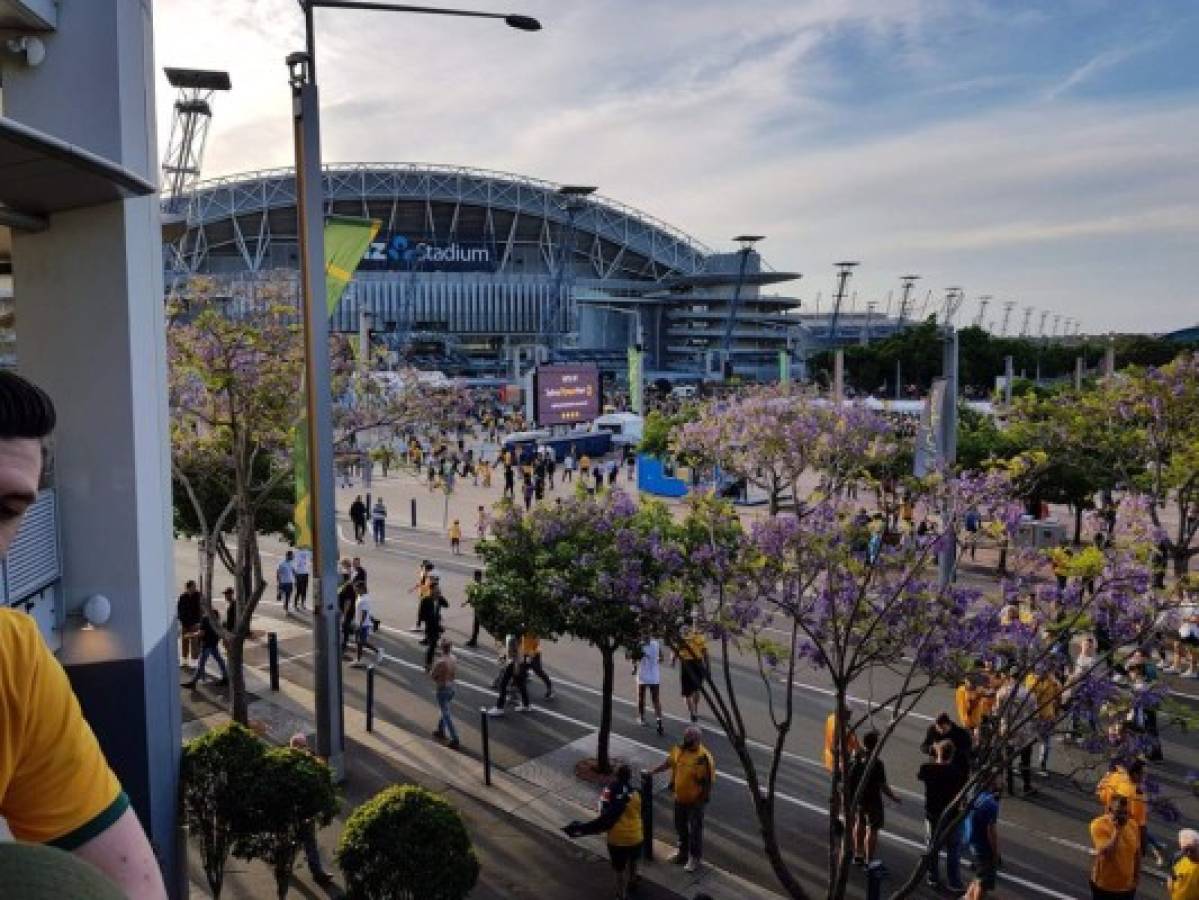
x=1045 y=153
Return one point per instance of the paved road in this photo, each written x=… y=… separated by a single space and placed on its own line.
x=1044 y=838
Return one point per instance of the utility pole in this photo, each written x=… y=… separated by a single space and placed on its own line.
x=844 y=271
x=905 y=298
x=1008 y=306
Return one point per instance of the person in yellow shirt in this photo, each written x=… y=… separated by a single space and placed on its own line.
x=456 y=538
x=1183 y=881
x=1117 y=847
x=620 y=817
x=830 y=742
x=693 y=652
x=530 y=660
x=1047 y=692
x=693 y=772
x=56 y=787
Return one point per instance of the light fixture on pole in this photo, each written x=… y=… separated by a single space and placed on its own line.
x=560 y=306
x=747 y=242
x=310 y=205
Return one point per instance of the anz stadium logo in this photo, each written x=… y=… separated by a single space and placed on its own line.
x=399 y=252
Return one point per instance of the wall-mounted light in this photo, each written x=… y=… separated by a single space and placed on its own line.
x=95 y=612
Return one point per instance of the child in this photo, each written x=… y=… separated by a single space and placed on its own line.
x=456 y=538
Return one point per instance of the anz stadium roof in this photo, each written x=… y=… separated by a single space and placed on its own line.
x=242 y=222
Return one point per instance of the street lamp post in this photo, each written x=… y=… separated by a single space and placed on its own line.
x=310 y=203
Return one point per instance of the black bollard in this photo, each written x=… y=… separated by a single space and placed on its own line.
x=647 y=816
x=413 y=512
x=272 y=650
x=370 y=698
x=486 y=746
x=874 y=881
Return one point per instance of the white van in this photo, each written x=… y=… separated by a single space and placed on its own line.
x=684 y=391
x=625 y=427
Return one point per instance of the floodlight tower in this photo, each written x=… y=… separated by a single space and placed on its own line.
x=1057 y=320
x=189 y=131
x=954 y=297
x=1028 y=311
x=1041 y=327
x=984 y=300
x=1008 y=306
x=844 y=271
x=747 y=242
x=906 y=298
x=557 y=314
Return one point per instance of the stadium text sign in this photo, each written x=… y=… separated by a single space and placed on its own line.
x=567 y=394
x=402 y=253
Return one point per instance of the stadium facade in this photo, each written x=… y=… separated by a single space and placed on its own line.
x=473 y=269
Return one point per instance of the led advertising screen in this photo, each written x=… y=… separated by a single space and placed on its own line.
x=567 y=394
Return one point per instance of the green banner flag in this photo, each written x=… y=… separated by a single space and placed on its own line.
x=785 y=366
x=346 y=242
x=636 y=381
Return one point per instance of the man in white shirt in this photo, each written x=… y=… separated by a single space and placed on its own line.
x=285 y=579
x=365 y=623
x=649 y=678
x=301 y=566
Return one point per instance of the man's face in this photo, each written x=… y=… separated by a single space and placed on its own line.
x=20 y=469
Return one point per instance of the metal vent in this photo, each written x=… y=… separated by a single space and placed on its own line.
x=33 y=561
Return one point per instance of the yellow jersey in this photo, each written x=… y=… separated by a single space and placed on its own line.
x=55 y=786
x=830 y=741
x=627 y=830
x=693 y=648
x=530 y=645
x=1119 y=783
x=694 y=771
x=1115 y=871
x=1184 y=880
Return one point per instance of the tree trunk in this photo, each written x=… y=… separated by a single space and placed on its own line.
x=602 y=762
x=239 y=708
x=1077 y=524
x=1182 y=561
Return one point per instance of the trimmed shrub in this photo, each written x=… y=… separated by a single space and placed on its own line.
x=407 y=843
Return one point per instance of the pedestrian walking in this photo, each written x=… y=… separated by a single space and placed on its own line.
x=312 y=851
x=648 y=672
x=1015 y=706
x=476 y=579
x=423 y=584
x=358 y=518
x=509 y=482
x=982 y=834
x=364 y=622
x=510 y=671
x=430 y=614
x=866 y=784
x=443 y=673
x=1116 y=843
x=359 y=570
x=943 y=780
x=285 y=579
x=1183 y=880
x=189 y=610
x=693 y=653
x=347 y=601
x=210 y=646
x=302 y=567
x=456 y=538
x=379 y=522
x=945 y=729
x=527 y=493
x=530 y=660
x=620 y=817
x=568 y=467
x=693 y=773
x=481 y=523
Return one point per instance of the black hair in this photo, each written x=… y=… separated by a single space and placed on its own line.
x=870 y=741
x=26 y=411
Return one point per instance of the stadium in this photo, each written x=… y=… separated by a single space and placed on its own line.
x=477 y=272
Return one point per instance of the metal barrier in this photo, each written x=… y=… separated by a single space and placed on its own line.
x=272 y=651
x=370 y=698
x=486 y=745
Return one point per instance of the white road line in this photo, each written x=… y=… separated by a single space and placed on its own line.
x=794 y=801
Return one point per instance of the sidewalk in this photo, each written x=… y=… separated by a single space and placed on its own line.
x=514 y=824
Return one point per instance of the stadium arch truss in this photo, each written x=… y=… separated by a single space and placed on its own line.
x=471 y=263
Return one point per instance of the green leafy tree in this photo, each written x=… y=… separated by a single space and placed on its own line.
x=217 y=774
x=407 y=843
x=573 y=569
x=290 y=793
x=234 y=395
